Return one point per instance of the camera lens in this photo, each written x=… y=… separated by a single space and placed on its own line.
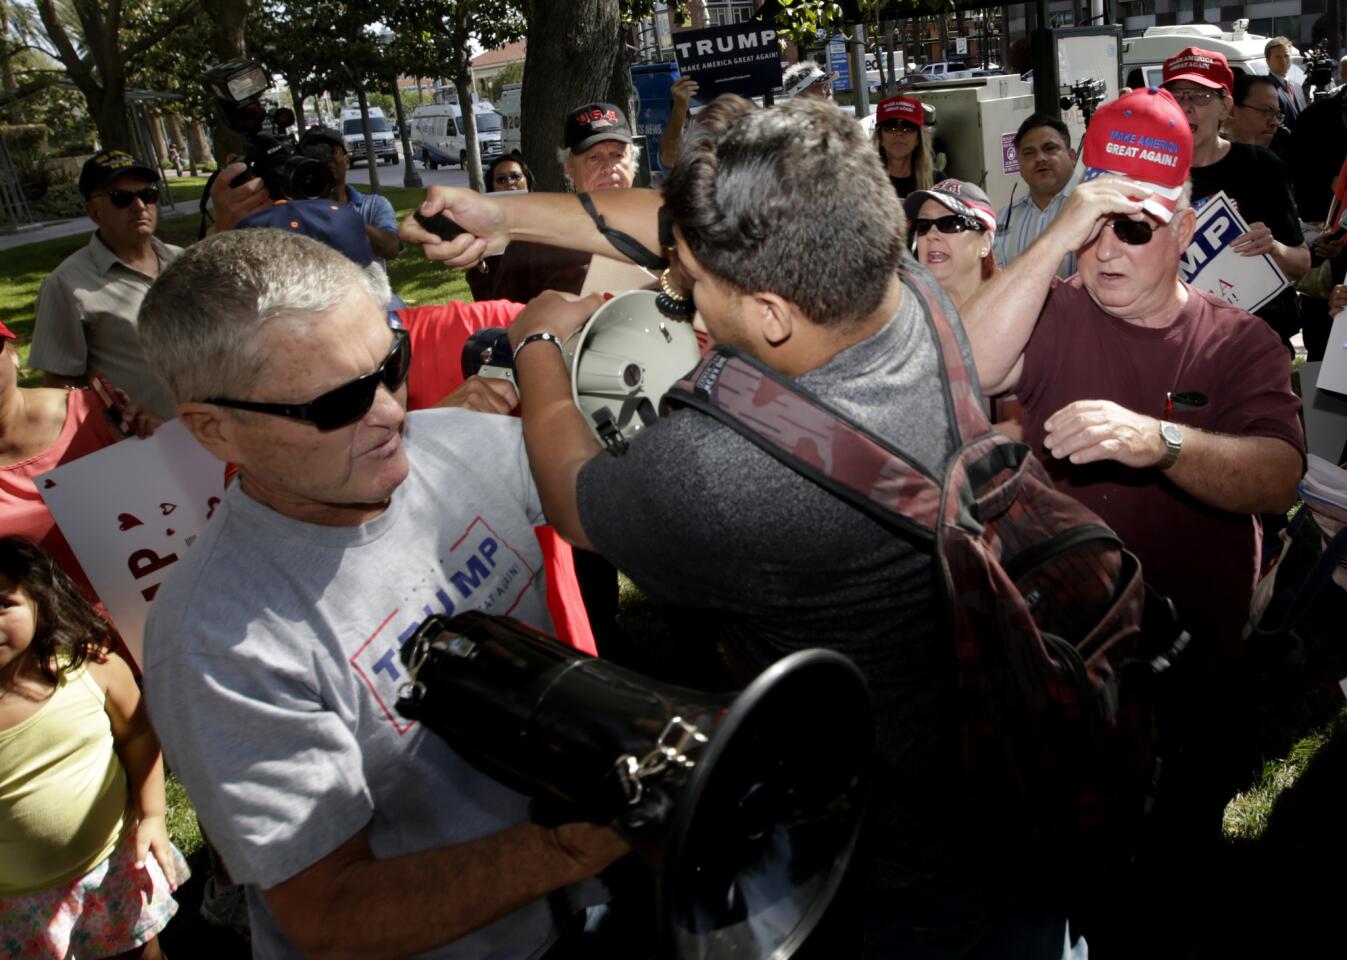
x=304 y=178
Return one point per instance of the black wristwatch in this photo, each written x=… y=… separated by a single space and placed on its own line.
x=1173 y=438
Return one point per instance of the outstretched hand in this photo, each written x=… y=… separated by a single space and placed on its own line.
x=482 y=220
x=1087 y=431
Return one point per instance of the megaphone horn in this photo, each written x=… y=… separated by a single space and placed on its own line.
x=622 y=362
x=747 y=807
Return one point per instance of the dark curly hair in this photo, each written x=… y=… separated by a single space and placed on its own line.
x=67 y=630
x=790 y=200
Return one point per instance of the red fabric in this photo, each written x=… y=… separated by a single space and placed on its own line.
x=438 y=334
x=22 y=509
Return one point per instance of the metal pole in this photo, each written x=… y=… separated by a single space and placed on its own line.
x=860 y=85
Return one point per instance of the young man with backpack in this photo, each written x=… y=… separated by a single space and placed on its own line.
x=790 y=240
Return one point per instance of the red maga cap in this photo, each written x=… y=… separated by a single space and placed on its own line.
x=1206 y=67
x=901 y=108
x=1143 y=136
x=6 y=333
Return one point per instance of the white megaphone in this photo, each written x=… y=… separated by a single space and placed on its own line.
x=622 y=361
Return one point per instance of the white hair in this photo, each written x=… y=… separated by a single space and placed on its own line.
x=565 y=155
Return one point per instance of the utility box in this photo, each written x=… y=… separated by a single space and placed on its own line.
x=976 y=118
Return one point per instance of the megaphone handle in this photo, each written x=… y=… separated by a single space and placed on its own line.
x=440 y=225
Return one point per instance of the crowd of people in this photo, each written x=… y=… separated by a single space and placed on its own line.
x=270 y=663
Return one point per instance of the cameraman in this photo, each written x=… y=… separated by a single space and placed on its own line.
x=381 y=223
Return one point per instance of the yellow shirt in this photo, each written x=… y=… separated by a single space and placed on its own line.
x=63 y=792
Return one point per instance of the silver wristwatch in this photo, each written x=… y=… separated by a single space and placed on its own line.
x=1173 y=438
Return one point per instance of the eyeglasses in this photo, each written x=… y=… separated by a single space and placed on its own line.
x=1134 y=233
x=891 y=126
x=1185 y=97
x=1269 y=113
x=954 y=223
x=505 y=178
x=344 y=404
x=124 y=198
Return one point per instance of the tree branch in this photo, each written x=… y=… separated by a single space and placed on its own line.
x=184 y=13
x=75 y=65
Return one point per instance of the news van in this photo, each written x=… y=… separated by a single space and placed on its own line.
x=353 y=135
x=1143 y=57
x=510 y=112
x=437 y=135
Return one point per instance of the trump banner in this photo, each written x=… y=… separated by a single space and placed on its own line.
x=742 y=58
x=1211 y=265
x=130 y=512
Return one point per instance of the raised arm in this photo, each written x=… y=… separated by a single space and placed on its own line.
x=1001 y=317
x=559 y=441
x=552 y=218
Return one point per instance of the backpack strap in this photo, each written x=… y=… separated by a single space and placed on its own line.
x=798 y=428
x=961 y=387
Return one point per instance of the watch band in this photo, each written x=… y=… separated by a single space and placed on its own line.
x=535 y=337
x=1172 y=448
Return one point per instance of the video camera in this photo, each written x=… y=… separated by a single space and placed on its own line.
x=237 y=87
x=1086 y=94
x=1319 y=67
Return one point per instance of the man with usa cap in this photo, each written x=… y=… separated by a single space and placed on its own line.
x=1170 y=413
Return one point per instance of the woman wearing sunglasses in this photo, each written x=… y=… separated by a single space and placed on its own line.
x=954 y=223
x=905 y=145
x=508 y=173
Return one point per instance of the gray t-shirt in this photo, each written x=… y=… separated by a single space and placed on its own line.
x=271 y=669
x=697 y=516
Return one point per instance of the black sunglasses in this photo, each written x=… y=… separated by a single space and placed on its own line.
x=1134 y=233
x=954 y=223
x=907 y=126
x=503 y=178
x=346 y=403
x=124 y=198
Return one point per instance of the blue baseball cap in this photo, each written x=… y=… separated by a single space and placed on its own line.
x=332 y=223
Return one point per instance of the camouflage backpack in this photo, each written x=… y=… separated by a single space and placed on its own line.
x=1041 y=600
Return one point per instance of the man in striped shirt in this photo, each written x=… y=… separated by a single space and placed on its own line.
x=1047 y=165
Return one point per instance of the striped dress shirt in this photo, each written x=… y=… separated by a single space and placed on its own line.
x=1021 y=223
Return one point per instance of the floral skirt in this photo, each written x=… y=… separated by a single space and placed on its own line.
x=113 y=908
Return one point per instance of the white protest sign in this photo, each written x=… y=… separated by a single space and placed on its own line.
x=1333 y=374
x=130 y=512
x=1209 y=264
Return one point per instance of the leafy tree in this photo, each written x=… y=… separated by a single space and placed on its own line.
x=434 y=38
x=102 y=45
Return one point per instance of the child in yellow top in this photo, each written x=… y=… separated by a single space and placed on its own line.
x=86 y=866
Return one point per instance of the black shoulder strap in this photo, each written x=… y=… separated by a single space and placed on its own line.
x=623 y=243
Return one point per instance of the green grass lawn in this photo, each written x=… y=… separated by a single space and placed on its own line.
x=417 y=280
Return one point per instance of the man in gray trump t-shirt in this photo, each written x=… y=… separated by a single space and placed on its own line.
x=271 y=653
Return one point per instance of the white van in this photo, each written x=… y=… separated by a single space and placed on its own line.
x=437 y=133
x=510 y=112
x=1143 y=57
x=353 y=134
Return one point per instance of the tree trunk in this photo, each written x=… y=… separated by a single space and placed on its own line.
x=472 y=158
x=297 y=95
x=619 y=87
x=198 y=147
x=7 y=66
x=227 y=43
x=371 y=161
x=574 y=67
x=157 y=135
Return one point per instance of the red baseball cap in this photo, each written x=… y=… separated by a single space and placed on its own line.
x=1143 y=136
x=957 y=196
x=901 y=108
x=1206 y=67
x=6 y=333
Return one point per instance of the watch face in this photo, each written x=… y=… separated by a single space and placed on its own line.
x=1171 y=433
